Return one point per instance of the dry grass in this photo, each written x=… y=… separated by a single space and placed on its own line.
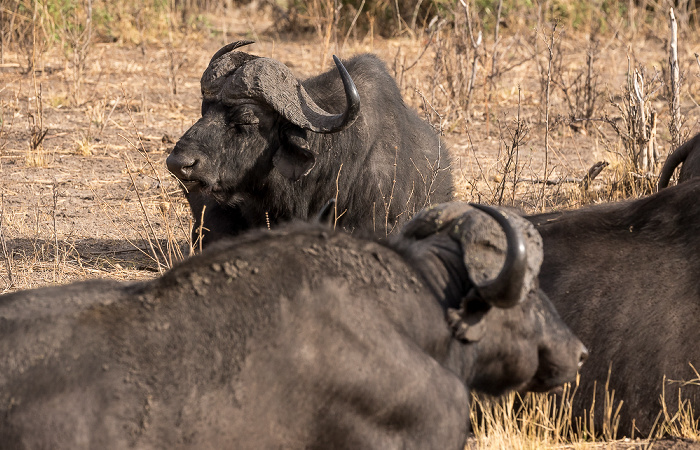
x=546 y=421
x=685 y=422
x=86 y=123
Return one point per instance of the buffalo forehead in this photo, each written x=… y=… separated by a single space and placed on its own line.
x=434 y=219
x=219 y=72
x=271 y=81
x=484 y=246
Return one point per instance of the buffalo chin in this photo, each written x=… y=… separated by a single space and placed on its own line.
x=191 y=185
x=213 y=190
x=554 y=386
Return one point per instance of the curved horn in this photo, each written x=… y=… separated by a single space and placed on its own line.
x=272 y=82
x=228 y=48
x=504 y=291
x=352 y=98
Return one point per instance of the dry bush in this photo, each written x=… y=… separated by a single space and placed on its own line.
x=30 y=31
x=74 y=31
x=163 y=235
x=636 y=126
x=579 y=87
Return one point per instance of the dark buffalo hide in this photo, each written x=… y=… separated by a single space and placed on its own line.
x=269 y=148
x=688 y=155
x=626 y=278
x=299 y=337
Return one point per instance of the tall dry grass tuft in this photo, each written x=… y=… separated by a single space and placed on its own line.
x=547 y=421
x=36 y=156
x=539 y=421
x=685 y=422
x=165 y=246
x=521 y=422
x=73 y=28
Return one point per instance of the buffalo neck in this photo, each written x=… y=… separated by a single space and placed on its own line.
x=439 y=262
x=438 y=259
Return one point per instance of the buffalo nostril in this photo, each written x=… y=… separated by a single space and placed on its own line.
x=188 y=169
x=583 y=356
x=181 y=166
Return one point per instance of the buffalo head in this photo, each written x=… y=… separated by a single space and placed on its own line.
x=509 y=326
x=255 y=119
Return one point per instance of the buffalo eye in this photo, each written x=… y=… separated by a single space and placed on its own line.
x=244 y=117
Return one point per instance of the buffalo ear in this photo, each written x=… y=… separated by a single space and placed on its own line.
x=293 y=158
x=468 y=323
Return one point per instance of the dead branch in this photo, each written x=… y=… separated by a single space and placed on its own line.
x=5 y=253
x=593 y=172
x=675 y=125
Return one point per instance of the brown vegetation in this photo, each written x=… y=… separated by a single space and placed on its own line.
x=551 y=105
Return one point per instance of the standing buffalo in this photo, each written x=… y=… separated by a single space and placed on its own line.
x=687 y=155
x=299 y=337
x=270 y=148
x=626 y=278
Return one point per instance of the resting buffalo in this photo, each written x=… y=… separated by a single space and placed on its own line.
x=626 y=278
x=298 y=337
x=269 y=148
x=687 y=155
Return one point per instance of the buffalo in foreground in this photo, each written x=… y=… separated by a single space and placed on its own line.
x=270 y=148
x=687 y=154
x=299 y=337
x=626 y=278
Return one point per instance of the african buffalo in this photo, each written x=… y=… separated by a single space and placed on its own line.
x=626 y=278
x=269 y=148
x=687 y=155
x=298 y=337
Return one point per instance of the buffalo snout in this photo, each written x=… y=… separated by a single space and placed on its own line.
x=561 y=356
x=182 y=165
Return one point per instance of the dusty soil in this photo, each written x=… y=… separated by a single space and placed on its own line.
x=89 y=199
x=676 y=444
x=95 y=200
